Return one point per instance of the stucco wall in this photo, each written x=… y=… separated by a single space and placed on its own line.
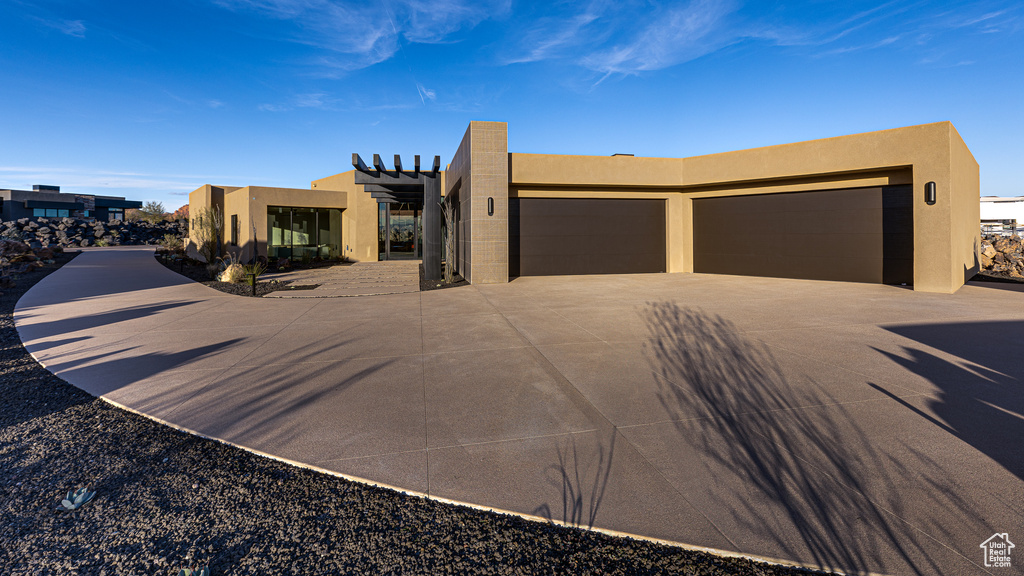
x=478 y=171
x=966 y=216
x=944 y=234
x=250 y=205
x=258 y=198
x=203 y=197
x=458 y=185
x=359 y=226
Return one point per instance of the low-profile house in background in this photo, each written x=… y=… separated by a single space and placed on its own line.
x=896 y=206
x=1002 y=214
x=50 y=202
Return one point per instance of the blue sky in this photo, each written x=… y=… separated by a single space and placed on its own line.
x=153 y=99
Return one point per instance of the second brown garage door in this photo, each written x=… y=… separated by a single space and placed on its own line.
x=855 y=235
x=553 y=236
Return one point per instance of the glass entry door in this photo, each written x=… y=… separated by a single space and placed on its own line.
x=400 y=231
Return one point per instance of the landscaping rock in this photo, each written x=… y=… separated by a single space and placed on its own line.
x=1002 y=256
x=71 y=232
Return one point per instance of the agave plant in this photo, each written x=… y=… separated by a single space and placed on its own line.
x=204 y=571
x=77 y=498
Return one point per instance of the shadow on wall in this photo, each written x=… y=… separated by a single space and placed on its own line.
x=583 y=480
x=813 y=486
x=979 y=398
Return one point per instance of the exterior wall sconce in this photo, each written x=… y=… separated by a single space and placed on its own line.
x=929 y=193
x=490 y=206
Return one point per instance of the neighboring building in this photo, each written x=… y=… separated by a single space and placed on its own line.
x=50 y=202
x=1002 y=214
x=896 y=206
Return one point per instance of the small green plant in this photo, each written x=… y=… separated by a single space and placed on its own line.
x=195 y=571
x=171 y=243
x=77 y=499
x=102 y=243
x=254 y=271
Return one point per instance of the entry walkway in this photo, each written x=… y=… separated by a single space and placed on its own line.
x=359 y=279
x=862 y=427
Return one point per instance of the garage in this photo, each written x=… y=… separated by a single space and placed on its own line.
x=568 y=236
x=853 y=235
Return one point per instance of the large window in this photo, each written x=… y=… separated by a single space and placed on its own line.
x=303 y=233
x=115 y=214
x=50 y=213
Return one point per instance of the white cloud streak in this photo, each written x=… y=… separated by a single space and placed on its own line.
x=83 y=180
x=369 y=32
x=311 y=100
x=425 y=93
x=74 y=28
x=678 y=35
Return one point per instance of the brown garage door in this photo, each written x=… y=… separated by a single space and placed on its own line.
x=551 y=236
x=856 y=235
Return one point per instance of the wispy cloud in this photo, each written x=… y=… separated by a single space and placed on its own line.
x=316 y=100
x=96 y=181
x=679 y=35
x=425 y=93
x=309 y=100
x=208 y=102
x=553 y=37
x=368 y=32
x=74 y=28
x=608 y=39
x=870 y=46
x=273 y=108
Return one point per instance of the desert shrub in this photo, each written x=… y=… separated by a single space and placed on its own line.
x=171 y=243
x=205 y=228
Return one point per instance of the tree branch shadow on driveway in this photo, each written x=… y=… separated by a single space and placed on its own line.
x=806 y=481
x=582 y=479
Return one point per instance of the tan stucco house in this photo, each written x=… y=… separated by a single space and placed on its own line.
x=897 y=206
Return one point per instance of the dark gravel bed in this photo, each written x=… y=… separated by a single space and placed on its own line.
x=197 y=272
x=166 y=500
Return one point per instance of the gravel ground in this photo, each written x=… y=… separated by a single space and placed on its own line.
x=198 y=273
x=166 y=500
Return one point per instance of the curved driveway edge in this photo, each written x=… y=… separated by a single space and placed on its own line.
x=859 y=427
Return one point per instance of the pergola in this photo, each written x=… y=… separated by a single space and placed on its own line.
x=409 y=186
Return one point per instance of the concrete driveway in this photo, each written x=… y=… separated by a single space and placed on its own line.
x=852 y=426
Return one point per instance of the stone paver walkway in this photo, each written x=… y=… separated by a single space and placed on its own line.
x=862 y=427
x=359 y=279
